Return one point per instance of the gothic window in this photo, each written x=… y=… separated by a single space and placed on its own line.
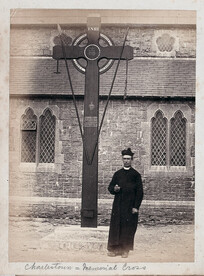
x=47 y=137
x=28 y=136
x=178 y=140
x=168 y=140
x=38 y=143
x=159 y=140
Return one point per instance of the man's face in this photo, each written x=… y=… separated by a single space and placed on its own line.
x=127 y=160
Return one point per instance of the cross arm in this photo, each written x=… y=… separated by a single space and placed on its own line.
x=71 y=52
x=114 y=52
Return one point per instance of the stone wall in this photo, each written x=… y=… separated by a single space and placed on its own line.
x=125 y=125
x=162 y=58
x=146 y=77
x=161 y=77
x=67 y=211
x=34 y=40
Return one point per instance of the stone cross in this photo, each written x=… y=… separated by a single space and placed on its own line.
x=92 y=53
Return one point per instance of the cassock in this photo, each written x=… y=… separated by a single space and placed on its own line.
x=123 y=223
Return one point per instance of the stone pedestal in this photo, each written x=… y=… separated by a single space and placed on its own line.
x=77 y=238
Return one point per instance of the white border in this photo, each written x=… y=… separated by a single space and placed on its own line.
x=196 y=268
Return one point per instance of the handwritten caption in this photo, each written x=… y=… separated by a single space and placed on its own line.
x=84 y=267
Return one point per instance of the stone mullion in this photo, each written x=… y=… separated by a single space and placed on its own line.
x=38 y=142
x=168 y=144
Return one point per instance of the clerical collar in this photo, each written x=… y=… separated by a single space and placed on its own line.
x=126 y=168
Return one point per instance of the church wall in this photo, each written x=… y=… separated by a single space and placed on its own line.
x=38 y=40
x=160 y=77
x=156 y=70
x=55 y=192
x=146 y=77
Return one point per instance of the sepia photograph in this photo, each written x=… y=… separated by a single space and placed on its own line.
x=102 y=107
x=101 y=132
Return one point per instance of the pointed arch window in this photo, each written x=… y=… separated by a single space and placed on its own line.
x=38 y=138
x=47 y=137
x=168 y=140
x=159 y=140
x=28 y=136
x=178 y=140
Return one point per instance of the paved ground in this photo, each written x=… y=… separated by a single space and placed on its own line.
x=27 y=243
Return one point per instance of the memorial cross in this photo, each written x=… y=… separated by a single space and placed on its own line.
x=92 y=53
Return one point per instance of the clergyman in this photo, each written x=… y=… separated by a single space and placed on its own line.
x=126 y=186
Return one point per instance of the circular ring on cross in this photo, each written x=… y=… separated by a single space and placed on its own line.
x=104 y=64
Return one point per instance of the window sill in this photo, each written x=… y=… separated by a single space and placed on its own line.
x=27 y=167
x=45 y=167
x=164 y=170
x=41 y=167
x=168 y=169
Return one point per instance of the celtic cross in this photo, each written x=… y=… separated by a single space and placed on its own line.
x=92 y=52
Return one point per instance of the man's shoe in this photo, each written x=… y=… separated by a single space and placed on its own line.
x=118 y=252
x=125 y=254
x=111 y=254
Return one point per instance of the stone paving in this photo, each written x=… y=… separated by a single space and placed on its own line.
x=40 y=241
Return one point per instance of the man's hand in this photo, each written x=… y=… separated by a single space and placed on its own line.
x=134 y=211
x=116 y=188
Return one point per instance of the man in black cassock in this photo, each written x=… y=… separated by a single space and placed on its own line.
x=126 y=185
